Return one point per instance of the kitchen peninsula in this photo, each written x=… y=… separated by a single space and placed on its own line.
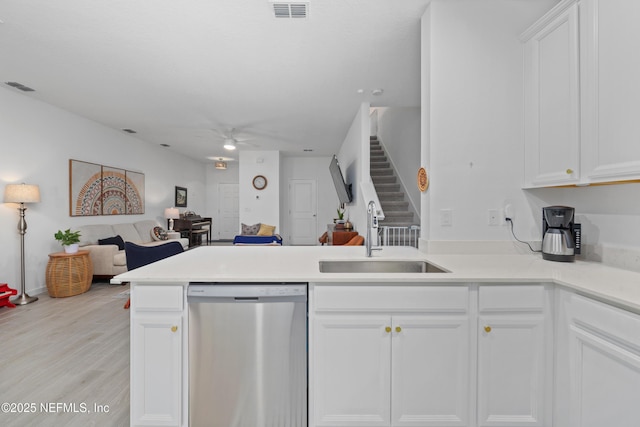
x=496 y=340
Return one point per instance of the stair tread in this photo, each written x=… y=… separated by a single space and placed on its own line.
x=390 y=193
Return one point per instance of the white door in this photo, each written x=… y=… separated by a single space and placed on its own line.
x=430 y=371
x=228 y=211
x=352 y=371
x=303 y=212
x=511 y=370
x=156 y=386
x=552 y=102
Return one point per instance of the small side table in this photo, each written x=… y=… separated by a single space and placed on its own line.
x=69 y=274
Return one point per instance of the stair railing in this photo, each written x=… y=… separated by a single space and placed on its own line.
x=399 y=236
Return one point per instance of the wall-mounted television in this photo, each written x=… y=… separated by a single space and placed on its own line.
x=343 y=189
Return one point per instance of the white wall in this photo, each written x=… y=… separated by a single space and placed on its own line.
x=312 y=168
x=214 y=177
x=37 y=142
x=259 y=206
x=354 y=162
x=399 y=133
x=473 y=137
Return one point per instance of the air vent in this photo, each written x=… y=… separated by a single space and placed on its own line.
x=290 y=10
x=20 y=86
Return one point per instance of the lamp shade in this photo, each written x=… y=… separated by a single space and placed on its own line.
x=171 y=213
x=21 y=193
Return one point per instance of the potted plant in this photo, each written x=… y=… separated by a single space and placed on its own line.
x=68 y=239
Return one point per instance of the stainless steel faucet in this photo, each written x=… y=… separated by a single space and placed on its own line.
x=372 y=222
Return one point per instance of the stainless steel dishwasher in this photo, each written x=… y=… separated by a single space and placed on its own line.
x=247 y=354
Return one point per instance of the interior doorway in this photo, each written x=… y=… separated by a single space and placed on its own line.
x=228 y=211
x=303 y=215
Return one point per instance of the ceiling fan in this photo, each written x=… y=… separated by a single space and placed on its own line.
x=230 y=141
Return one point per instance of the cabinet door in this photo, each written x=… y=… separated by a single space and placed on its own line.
x=604 y=360
x=511 y=370
x=156 y=370
x=430 y=371
x=552 y=103
x=352 y=370
x=610 y=40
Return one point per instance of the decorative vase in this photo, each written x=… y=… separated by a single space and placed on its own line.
x=71 y=249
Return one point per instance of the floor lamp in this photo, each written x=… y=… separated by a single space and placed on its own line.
x=22 y=193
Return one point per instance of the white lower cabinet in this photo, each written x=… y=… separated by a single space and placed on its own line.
x=372 y=368
x=441 y=356
x=603 y=363
x=157 y=323
x=514 y=356
x=391 y=370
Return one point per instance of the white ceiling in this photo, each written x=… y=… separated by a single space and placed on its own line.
x=175 y=70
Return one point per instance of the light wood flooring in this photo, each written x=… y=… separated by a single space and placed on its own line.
x=66 y=351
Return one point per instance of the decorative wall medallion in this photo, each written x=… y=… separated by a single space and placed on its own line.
x=423 y=180
x=259 y=182
x=103 y=190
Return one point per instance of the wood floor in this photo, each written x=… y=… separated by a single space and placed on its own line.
x=59 y=357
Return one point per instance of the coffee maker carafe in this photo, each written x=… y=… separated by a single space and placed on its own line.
x=560 y=235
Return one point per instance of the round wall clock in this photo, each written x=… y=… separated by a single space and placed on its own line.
x=423 y=180
x=259 y=182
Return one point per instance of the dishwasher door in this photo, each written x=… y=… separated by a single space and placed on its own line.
x=247 y=355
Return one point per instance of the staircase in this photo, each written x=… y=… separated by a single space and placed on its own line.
x=396 y=210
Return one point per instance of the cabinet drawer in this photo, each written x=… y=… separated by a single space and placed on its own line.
x=511 y=298
x=155 y=298
x=604 y=320
x=369 y=297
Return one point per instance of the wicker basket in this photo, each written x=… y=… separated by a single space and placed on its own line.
x=69 y=274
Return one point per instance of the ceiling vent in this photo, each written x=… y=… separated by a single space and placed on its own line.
x=20 y=86
x=290 y=10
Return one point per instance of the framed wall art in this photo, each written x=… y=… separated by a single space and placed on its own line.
x=104 y=190
x=181 y=197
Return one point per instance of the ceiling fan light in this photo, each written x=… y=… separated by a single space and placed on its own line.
x=229 y=144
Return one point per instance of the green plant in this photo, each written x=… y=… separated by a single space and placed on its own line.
x=67 y=237
x=340 y=213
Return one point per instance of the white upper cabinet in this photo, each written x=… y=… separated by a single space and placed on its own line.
x=582 y=99
x=610 y=64
x=552 y=102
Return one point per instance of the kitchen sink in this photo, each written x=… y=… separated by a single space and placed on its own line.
x=379 y=266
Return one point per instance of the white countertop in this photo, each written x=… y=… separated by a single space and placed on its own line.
x=301 y=264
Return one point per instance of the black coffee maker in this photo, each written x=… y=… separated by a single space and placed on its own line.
x=560 y=235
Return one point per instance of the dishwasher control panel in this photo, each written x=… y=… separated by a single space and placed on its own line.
x=246 y=290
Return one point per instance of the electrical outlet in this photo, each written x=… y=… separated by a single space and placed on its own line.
x=508 y=211
x=494 y=219
x=446 y=217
